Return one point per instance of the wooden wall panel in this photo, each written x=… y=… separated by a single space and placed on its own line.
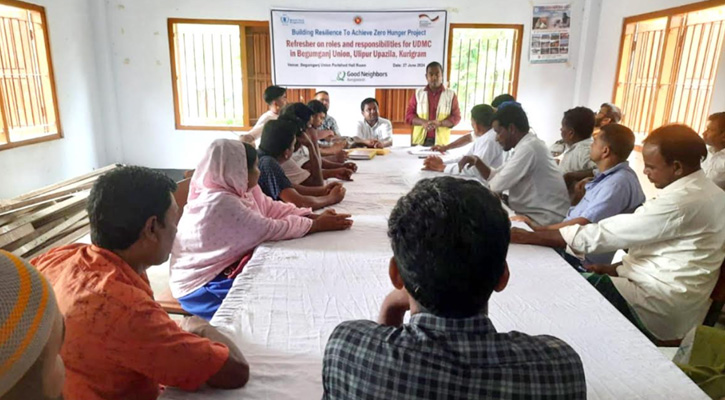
x=259 y=69
x=393 y=103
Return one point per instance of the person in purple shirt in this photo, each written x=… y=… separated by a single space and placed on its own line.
x=614 y=190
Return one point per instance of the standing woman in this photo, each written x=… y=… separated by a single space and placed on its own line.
x=226 y=218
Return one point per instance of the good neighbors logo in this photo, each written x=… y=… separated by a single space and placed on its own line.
x=359 y=76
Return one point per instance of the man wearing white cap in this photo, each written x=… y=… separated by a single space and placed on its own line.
x=31 y=333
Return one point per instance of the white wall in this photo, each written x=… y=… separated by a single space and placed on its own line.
x=607 y=48
x=113 y=78
x=138 y=38
x=107 y=84
x=71 y=41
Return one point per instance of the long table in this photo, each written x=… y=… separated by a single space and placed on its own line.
x=291 y=295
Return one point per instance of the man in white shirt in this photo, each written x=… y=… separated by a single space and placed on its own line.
x=608 y=114
x=576 y=132
x=535 y=185
x=484 y=146
x=714 y=165
x=466 y=139
x=276 y=98
x=675 y=240
x=373 y=131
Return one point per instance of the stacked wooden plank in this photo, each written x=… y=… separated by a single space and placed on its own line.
x=33 y=223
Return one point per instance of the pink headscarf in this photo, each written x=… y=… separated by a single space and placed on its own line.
x=222 y=169
x=224 y=220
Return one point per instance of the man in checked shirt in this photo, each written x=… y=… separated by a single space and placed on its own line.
x=450 y=238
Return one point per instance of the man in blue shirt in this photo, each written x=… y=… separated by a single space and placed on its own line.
x=614 y=190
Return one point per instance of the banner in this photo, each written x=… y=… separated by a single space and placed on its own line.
x=347 y=48
x=550 y=34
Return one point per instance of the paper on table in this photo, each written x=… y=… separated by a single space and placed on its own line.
x=423 y=151
x=448 y=157
x=380 y=152
x=361 y=154
x=522 y=225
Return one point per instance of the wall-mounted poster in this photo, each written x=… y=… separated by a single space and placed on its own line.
x=356 y=48
x=550 y=34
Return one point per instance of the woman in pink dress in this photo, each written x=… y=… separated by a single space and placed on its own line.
x=227 y=216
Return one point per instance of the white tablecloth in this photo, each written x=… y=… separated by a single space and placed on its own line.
x=292 y=294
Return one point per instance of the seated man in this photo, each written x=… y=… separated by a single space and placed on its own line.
x=32 y=332
x=276 y=147
x=608 y=114
x=293 y=167
x=466 y=139
x=119 y=342
x=576 y=132
x=675 y=240
x=536 y=187
x=307 y=161
x=276 y=98
x=329 y=123
x=373 y=131
x=332 y=148
x=714 y=165
x=485 y=146
x=449 y=348
x=615 y=190
x=500 y=99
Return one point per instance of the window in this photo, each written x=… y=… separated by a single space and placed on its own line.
x=667 y=66
x=207 y=73
x=220 y=69
x=28 y=105
x=483 y=62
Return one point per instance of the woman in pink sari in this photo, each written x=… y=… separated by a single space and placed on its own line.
x=226 y=217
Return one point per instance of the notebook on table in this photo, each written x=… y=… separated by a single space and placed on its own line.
x=361 y=154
